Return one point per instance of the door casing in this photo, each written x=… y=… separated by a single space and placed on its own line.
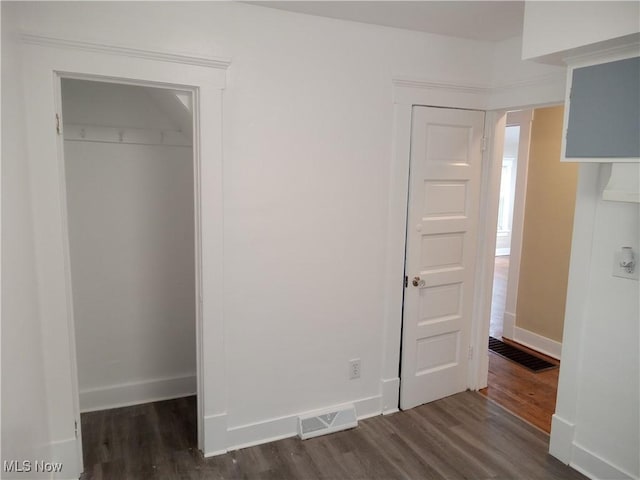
x=496 y=103
x=47 y=61
x=396 y=241
x=197 y=250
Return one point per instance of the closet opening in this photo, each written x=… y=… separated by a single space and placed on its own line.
x=130 y=179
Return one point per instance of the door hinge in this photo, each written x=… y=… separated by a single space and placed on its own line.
x=406 y=281
x=470 y=352
x=75 y=426
x=58 y=124
x=484 y=143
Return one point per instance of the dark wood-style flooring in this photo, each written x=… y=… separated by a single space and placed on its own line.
x=529 y=395
x=464 y=436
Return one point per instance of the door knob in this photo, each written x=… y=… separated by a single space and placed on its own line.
x=417 y=282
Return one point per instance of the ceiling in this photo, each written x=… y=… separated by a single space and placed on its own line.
x=477 y=20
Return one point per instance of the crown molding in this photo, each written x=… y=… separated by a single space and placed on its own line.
x=439 y=85
x=616 y=49
x=210 y=62
x=546 y=79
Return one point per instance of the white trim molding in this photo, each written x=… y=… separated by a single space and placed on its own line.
x=395 y=245
x=522 y=119
x=562 y=439
x=495 y=99
x=441 y=85
x=537 y=342
x=563 y=446
x=46 y=62
x=120 y=50
x=596 y=467
x=257 y=433
x=64 y=452
x=215 y=434
x=439 y=93
x=486 y=246
x=537 y=90
x=390 y=388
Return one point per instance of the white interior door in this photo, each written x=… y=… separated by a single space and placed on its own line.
x=446 y=154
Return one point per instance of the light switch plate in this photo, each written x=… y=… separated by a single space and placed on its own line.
x=621 y=272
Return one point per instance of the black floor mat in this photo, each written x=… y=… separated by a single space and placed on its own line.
x=525 y=359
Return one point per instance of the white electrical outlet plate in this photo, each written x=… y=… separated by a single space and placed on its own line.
x=621 y=272
x=354 y=368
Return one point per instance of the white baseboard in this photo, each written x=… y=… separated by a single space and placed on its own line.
x=134 y=393
x=538 y=342
x=287 y=426
x=596 y=467
x=262 y=432
x=67 y=453
x=561 y=439
x=215 y=434
x=564 y=448
x=368 y=407
x=390 y=388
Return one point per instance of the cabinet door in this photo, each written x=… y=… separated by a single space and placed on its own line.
x=604 y=112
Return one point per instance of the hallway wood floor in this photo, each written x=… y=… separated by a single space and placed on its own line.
x=529 y=395
x=464 y=436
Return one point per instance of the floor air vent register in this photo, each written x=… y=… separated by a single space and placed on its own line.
x=321 y=423
x=518 y=356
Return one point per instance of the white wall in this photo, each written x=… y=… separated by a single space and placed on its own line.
x=596 y=426
x=307 y=125
x=609 y=404
x=131 y=233
x=25 y=426
x=308 y=115
x=551 y=29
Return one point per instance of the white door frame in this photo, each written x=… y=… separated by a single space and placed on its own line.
x=495 y=102
x=522 y=119
x=46 y=62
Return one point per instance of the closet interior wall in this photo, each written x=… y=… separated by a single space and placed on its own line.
x=129 y=185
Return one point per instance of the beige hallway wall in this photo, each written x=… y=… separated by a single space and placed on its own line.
x=548 y=222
